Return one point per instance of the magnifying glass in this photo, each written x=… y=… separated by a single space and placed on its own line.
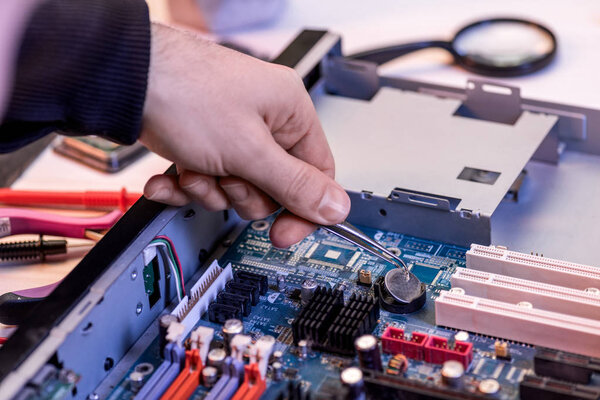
x=495 y=47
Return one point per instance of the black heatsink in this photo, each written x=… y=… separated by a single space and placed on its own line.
x=314 y=320
x=330 y=325
x=358 y=317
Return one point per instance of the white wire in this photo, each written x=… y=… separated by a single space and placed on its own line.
x=164 y=252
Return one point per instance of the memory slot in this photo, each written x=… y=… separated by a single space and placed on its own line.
x=514 y=322
x=501 y=261
x=514 y=290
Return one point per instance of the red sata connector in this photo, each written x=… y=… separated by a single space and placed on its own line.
x=437 y=351
x=393 y=341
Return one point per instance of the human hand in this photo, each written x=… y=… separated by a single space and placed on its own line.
x=243 y=134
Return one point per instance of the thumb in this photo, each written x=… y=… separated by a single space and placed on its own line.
x=298 y=186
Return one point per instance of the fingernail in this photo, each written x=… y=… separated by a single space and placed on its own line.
x=236 y=192
x=335 y=205
x=160 y=195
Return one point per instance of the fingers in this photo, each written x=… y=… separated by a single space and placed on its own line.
x=204 y=190
x=303 y=137
x=249 y=202
x=165 y=189
x=247 y=199
x=289 y=229
x=298 y=186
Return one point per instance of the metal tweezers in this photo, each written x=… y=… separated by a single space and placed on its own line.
x=360 y=239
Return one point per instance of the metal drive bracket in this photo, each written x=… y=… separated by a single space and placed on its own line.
x=491 y=102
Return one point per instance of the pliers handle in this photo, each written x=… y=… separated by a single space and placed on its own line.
x=14 y=221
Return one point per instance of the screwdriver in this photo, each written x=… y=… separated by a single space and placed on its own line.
x=34 y=249
x=88 y=199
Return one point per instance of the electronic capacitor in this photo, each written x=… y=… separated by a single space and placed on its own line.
x=489 y=387
x=136 y=380
x=369 y=355
x=231 y=327
x=452 y=373
x=216 y=357
x=277 y=355
x=303 y=349
x=352 y=379
x=209 y=376
x=277 y=371
x=307 y=290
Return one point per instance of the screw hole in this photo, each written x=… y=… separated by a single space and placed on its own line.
x=382 y=212
x=108 y=363
x=189 y=214
x=87 y=328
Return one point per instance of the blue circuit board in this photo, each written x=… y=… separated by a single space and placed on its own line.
x=330 y=260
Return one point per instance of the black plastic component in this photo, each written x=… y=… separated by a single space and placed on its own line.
x=395 y=387
x=294 y=390
x=290 y=373
x=295 y=294
x=250 y=277
x=536 y=388
x=151 y=274
x=298 y=49
x=219 y=313
x=242 y=289
x=332 y=326
x=314 y=320
x=235 y=300
x=14 y=308
x=389 y=303
x=565 y=366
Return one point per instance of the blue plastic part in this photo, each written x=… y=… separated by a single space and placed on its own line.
x=232 y=378
x=222 y=382
x=237 y=377
x=165 y=374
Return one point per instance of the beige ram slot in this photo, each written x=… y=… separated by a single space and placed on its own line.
x=514 y=290
x=498 y=260
x=513 y=322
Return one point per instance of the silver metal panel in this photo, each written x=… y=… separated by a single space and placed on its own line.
x=408 y=140
x=558 y=213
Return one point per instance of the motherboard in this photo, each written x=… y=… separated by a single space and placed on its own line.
x=326 y=268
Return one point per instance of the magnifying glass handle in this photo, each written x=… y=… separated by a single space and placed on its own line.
x=385 y=54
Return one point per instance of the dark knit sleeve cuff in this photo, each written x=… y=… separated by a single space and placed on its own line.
x=83 y=70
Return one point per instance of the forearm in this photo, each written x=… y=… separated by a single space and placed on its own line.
x=82 y=68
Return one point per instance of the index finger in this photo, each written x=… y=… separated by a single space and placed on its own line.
x=302 y=136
